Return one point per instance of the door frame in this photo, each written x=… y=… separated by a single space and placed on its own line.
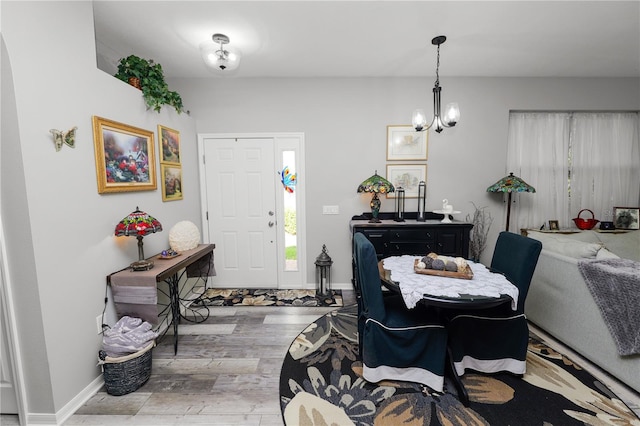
x=10 y=328
x=285 y=141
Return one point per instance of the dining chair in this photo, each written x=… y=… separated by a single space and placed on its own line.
x=397 y=343
x=496 y=339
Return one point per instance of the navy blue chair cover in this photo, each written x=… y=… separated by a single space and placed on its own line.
x=496 y=339
x=397 y=343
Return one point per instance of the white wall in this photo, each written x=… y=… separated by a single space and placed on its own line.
x=344 y=121
x=58 y=228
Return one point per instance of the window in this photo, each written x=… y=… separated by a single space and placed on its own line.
x=575 y=161
x=290 y=219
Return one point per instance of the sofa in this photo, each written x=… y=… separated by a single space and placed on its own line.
x=560 y=302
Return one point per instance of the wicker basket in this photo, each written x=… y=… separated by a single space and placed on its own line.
x=126 y=374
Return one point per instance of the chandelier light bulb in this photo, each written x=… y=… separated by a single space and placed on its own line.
x=452 y=114
x=419 y=119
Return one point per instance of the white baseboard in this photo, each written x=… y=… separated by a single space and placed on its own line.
x=42 y=419
x=78 y=401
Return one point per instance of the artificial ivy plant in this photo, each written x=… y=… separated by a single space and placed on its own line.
x=155 y=90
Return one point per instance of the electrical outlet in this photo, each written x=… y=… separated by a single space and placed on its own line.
x=99 y=323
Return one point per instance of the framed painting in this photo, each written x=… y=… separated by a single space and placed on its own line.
x=626 y=217
x=169 y=141
x=125 y=159
x=171 y=182
x=408 y=176
x=404 y=143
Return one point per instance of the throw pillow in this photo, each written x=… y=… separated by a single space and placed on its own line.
x=603 y=253
x=566 y=246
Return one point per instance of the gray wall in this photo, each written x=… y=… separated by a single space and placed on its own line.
x=58 y=229
x=344 y=121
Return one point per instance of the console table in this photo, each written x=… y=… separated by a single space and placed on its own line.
x=391 y=238
x=135 y=293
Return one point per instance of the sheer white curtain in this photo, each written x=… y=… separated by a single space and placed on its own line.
x=605 y=169
x=537 y=153
x=575 y=161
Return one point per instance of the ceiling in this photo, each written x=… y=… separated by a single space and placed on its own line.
x=378 y=38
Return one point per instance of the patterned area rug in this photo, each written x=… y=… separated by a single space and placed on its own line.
x=321 y=383
x=264 y=297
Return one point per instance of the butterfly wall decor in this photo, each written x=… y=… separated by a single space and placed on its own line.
x=60 y=137
x=288 y=179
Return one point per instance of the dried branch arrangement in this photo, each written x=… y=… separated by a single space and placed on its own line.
x=482 y=221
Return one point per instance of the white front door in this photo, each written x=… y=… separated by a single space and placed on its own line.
x=240 y=179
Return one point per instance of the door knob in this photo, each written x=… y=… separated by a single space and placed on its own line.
x=271 y=224
x=271 y=213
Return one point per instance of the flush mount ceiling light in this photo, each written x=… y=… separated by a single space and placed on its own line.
x=452 y=112
x=220 y=58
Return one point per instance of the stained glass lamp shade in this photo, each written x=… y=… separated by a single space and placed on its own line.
x=138 y=224
x=510 y=184
x=376 y=184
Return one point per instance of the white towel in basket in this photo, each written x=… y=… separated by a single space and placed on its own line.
x=128 y=335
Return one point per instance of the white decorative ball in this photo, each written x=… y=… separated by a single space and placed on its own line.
x=184 y=236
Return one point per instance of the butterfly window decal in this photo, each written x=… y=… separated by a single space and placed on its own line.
x=288 y=179
x=60 y=138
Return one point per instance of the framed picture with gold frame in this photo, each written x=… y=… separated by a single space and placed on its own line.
x=171 y=182
x=125 y=158
x=169 y=144
x=404 y=143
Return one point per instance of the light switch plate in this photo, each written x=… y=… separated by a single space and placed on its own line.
x=330 y=209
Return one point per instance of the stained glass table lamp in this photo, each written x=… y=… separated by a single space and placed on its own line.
x=376 y=184
x=138 y=224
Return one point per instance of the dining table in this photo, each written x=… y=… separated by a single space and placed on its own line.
x=483 y=290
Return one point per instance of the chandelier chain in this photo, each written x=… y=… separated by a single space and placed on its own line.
x=438 y=68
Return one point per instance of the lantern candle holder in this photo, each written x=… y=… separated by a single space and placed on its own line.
x=323 y=272
x=422 y=196
x=399 y=217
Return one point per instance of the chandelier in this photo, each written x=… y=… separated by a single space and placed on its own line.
x=452 y=112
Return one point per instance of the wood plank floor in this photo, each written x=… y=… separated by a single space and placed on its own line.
x=227 y=373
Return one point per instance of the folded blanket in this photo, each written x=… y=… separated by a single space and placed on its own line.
x=615 y=287
x=128 y=335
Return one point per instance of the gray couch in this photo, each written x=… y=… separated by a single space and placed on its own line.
x=560 y=302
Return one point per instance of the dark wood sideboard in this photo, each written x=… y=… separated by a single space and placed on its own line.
x=391 y=238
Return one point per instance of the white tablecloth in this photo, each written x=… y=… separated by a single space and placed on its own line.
x=413 y=286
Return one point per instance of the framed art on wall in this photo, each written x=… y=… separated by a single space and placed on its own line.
x=404 y=143
x=125 y=159
x=171 y=182
x=626 y=217
x=408 y=176
x=169 y=141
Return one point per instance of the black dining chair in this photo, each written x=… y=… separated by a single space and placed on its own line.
x=496 y=339
x=397 y=343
